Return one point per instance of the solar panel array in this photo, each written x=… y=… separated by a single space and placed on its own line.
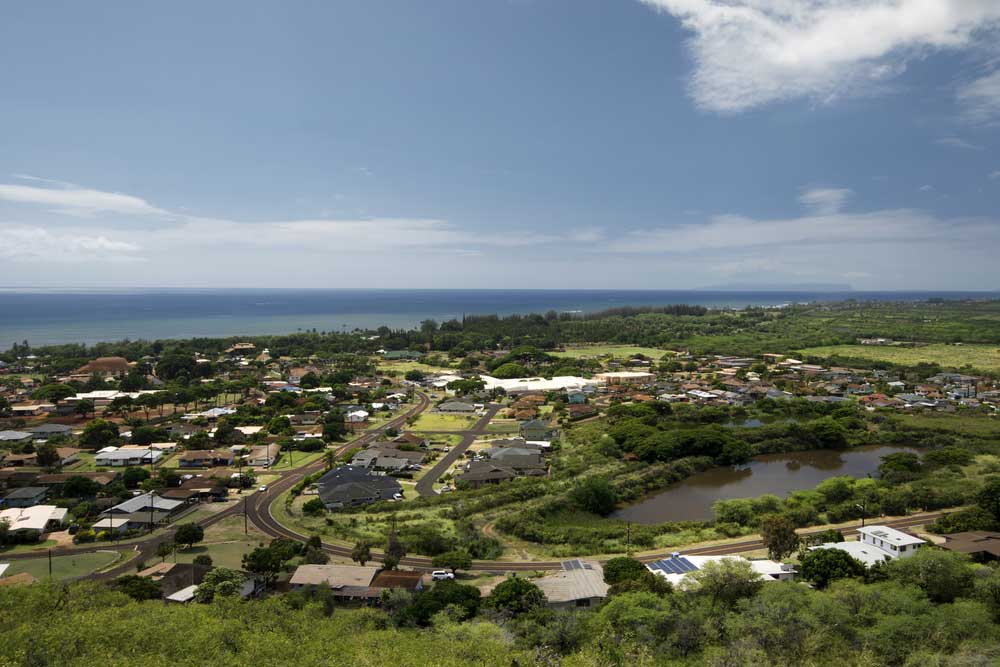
x=674 y=565
x=575 y=564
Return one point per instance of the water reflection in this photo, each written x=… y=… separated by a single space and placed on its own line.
x=691 y=499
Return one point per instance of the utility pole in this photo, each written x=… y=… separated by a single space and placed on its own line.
x=245 y=529
x=628 y=537
x=50 y=563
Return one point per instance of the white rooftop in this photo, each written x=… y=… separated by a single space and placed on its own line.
x=890 y=535
x=36 y=517
x=866 y=553
x=184 y=595
x=558 y=383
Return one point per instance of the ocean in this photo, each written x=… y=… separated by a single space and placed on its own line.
x=48 y=317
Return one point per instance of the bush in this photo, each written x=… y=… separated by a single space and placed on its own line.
x=314 y=507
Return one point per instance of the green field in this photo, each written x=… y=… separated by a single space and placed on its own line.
x=431 y=421
x=619 y=351
x=63 y=567
x=982 y=357
x=972 y=424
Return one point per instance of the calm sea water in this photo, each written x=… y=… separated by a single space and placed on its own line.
x=45 y=317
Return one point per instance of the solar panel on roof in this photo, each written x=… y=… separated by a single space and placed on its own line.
x=686 y=564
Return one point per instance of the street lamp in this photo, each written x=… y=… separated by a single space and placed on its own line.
x=864 y=510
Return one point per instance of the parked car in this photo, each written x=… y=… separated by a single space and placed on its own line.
x=263 y=488
x=441 y=575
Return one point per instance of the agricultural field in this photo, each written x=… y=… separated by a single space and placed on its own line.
x=981 y=357
x=617 y=351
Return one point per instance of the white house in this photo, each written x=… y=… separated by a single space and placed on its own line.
x=42 y=518
x=357 y=417
x=127 y=456
x=676 y=568
x=877 y=544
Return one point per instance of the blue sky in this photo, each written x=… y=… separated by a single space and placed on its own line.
x=527 y=143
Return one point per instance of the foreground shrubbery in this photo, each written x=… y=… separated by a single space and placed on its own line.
x=934 y=608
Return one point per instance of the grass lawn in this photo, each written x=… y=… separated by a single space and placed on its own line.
x=503 y=426
x=64 y=567
x=432 y=421
x=972 y=424
x=25 y=548
x=225 y=542
x=983 y=357
x=403 y=367
x=620 y=351
x=298 y=459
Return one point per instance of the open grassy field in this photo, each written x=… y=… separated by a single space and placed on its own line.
x=969 y=424
x=432 y=421
x=403 y=367
x=225 y=542
x=620 y=351
x=64 y=567
x=982 y=357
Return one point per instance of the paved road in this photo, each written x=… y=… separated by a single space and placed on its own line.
x=425 y=485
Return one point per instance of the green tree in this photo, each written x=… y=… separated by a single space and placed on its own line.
x=138 y=588
x=314 y=507
x=395 y=551
x=361 y=553
x=515 y=596
x=942 y=575
x=188 y=534
x=510 y=371
x=623 y=568
x=203 y=559
x=133 y=476
x=988 y=497
x=99 y=433
x=164 y=549
x=725 y=582
x=79 y=486
x=265 y=563
x=822 y=566
x=84 y=407
x=55 y=392
x=459 y=559
x=46 y=455
x=219 y=582
x=596 y=495
x=778 y=534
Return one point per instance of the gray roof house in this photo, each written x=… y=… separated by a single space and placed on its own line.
x=349 y=486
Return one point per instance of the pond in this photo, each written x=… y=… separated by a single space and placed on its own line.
x=692 y=498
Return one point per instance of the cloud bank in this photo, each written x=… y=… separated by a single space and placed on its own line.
x=749 y=53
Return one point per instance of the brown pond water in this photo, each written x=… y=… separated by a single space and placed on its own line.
x=692 y=498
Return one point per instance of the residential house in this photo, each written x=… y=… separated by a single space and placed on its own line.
x=106 y=367
x=579 y=584
x=127 y=456
x=15 y=437
x=676 y=568
x=356 y=418
x=877 y=544
x=355 y=582
x=46 y=431
x=263 y=456
x=40 y=518
x=412 y=439
x=456 y=406
x=480 y=473
x=349 y=486
x=536 y=429
x=67 y=455
x=205 y=458
x=26 y=496
x=980 y=545
x=32 y=409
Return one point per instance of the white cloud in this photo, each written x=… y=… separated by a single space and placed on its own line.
x=897 y=226
x=995 y=175
x=825 y=201
x=979 y=100
x=955 y=142
x=749 y=53
x=74 y=200
x=926 y=188
x=23 y=242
